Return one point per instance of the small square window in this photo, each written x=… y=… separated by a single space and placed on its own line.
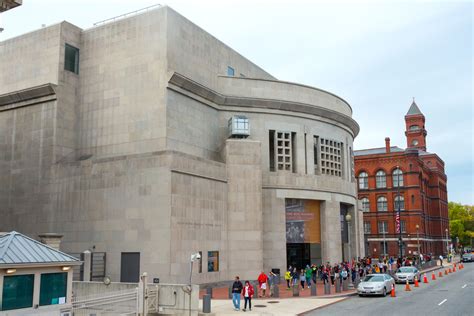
x=230 y=71
x=71 y=59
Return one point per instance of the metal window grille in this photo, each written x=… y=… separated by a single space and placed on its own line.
x=331 y=157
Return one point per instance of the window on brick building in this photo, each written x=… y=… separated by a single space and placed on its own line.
x=382 y=204
x=383 y=227
x=365 y=204
x=403 y=226
x=397 y=178
x=399 y=201
x=363 y=180
x=380 y=179
x=367 y=228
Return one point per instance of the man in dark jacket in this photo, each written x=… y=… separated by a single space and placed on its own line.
x=236 y=291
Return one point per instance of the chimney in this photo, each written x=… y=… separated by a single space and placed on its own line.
x=51 y=239
x=387 y=145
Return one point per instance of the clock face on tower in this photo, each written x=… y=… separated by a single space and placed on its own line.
x=414 y=142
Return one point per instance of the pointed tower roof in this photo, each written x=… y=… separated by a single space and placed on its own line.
x=414 y=109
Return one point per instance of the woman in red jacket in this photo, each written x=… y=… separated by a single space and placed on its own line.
x=248 y=294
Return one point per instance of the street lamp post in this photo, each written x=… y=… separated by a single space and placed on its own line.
x=348 y=220
x=418 y=241
x=384 y=247
x=399 y=215
x=447 y=245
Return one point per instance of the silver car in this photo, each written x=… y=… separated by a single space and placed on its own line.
x=407 y=273
x=376 y=284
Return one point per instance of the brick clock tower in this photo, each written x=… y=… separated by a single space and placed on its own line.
x=415 y=128
x=409 y=182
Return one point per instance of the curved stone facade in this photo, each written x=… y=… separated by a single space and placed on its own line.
x=132 y=154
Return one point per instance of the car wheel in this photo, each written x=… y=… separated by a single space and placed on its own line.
x=384 y=292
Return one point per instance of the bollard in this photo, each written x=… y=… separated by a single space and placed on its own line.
x=345 y=285
x=230 y=292
x=209 y=291
x=327 y=288
x=276 y=291
x=296 y=290
x=206 y=303
x=338 y=285
x=313 y=290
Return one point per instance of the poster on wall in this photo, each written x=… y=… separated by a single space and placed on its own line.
x=302 y=221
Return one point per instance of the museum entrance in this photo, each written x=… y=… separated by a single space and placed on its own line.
x=303 y=233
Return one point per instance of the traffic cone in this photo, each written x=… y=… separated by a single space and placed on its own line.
x=416 y=282
x=440 y=274
x=392 y=293
x=433 y=276
x=445 y=271
x=454 y=269
x=425 y=279
x=450 y=271
x=407 y=287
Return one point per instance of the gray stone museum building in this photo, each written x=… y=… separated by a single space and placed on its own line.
x=148 y=139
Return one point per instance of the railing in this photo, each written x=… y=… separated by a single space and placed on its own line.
x=112 y=303
x=122 y=16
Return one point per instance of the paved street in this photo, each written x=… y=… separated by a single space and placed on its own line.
x=452 y=295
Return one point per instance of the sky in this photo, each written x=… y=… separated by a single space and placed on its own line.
x=377 y=55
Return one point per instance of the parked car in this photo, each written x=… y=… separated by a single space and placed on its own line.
x=407 y=273
x=468 y=257
x=376 y=284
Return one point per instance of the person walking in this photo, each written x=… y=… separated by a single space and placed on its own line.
x=314 y=273
x=288 y=278
x=236 y=291
x=248 y=294
x=308 y=273
x=262 y=284
x=295 y=277
x=272 y=282
x=302 y=279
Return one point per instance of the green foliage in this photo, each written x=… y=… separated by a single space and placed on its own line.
x=461 y=222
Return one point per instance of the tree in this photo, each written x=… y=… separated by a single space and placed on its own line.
x=461 y=222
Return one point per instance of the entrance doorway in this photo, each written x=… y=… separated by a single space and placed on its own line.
x=298 y=255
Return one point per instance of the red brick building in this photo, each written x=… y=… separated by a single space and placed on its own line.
x=411 y=179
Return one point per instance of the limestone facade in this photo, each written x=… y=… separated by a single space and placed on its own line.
x=131 y=153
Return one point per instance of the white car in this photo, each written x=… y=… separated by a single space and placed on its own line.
x=407 y=273
x=376 y=284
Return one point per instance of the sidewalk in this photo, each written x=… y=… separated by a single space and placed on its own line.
x=281 y=307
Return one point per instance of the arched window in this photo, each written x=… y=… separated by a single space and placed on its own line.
x=365 y=204
x=414 y=128
x=382 y=204
x=363 y=180
x=399 y=200
x=397 y=178
x=380 y=179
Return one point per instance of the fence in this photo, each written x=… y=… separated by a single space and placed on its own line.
x=124 y=302
x=98 y=262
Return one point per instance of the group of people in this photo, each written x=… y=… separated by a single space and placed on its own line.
x=342 y=271
x=332 y=273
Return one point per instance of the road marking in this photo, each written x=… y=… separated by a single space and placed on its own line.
x=464 y=286
x=442 y=302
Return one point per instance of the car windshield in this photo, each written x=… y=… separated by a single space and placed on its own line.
x=405 y=270
x=373 y=278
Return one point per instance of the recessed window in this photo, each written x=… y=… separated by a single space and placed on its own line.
x=363 y=180
x=403 y=226
x=230 y=71
x=212 y=261
x=399 y=202
x=414 y=142
x=331 y=157
x=53 y=288
x=414 y=128
x=365 y=204
x=71 y=59
x=383 y=227
x=367 y=228
x=397 y=178
x=380 y=179
x=382 y=204
x=17 y=292
x=282 y=150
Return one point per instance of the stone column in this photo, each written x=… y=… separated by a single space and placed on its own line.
x=331 y=231
x=244 y=207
